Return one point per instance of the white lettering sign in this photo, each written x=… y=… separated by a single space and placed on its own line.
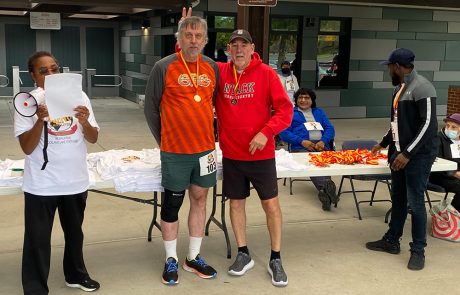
x=45 y=21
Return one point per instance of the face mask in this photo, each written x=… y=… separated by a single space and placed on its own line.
x=285 y=71
x=452 y=134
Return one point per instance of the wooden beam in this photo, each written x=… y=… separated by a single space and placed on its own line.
x=119 y=3
x=256 y=20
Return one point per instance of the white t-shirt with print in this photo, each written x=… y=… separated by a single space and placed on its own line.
x=290 y=84
x=66 y=172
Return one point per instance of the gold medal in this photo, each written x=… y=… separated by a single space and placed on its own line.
x=197 y=98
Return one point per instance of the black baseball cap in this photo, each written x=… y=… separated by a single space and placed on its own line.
x=242 y=34
x=286 y=63
x=400 y=56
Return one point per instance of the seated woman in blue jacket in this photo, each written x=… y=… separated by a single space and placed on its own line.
x=312 y=131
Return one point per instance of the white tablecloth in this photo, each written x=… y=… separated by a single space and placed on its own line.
x=128 y=170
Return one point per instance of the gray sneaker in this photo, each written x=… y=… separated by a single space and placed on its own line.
x=275 y=269
x=242 y=264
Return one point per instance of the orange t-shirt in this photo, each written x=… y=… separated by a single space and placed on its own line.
x=187 y=124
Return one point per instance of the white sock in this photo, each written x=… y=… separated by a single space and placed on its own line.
x=194 y=247
x=170 y=248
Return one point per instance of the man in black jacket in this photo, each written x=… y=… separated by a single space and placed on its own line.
x=413 y=146
x=449 y=149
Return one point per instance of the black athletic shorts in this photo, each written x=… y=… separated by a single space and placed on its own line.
x=238 y=175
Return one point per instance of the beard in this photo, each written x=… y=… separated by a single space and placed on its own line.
x=395 y=80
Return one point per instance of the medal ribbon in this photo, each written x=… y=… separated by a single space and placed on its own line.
x=395 y=102
x=195 y=84
x=237 y=80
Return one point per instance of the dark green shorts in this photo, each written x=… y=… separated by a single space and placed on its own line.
x=178 y=171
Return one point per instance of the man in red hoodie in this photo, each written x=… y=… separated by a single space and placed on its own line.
x=252 y=107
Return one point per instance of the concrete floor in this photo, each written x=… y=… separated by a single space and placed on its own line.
x=323 y=252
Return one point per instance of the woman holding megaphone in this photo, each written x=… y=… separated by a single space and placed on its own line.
x=62 y=185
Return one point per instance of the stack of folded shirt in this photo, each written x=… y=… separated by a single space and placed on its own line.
x=131 y=171
x=7 y=176
x=285 y=162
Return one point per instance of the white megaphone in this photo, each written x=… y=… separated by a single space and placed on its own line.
x=25 y=104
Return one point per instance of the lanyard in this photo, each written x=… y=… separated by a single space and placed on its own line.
x=237 y=80
x=195 y=83
x=396 y=100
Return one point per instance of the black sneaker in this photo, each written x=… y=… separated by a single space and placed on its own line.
x=199 y=267
x=170 y=275
x=275 y=269
x=242 y=264
x=325 y=200
x=88 y=285
x=384 y=245
x=330 y=190
x=417 y=260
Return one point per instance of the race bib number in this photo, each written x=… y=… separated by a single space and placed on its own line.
x=394 y=131
x=455 y=150
x=208 y=163
x=290 y=85
x=312 y=126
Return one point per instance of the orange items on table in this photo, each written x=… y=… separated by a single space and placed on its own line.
x=347 y=157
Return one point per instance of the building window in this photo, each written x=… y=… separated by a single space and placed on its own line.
x=219 y=31
x=224 y=22
x=283 y=40
x=333 y=53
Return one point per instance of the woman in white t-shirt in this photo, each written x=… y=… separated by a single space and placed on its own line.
x=61 y=184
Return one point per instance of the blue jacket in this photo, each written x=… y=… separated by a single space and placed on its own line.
x=297 y=132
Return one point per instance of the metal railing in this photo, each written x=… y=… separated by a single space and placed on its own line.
x=109 y=85
x=67 y=70
x=6 y=79
x=17 y=79
x=91 y=73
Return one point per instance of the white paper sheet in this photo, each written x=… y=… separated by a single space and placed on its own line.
x=312 y=126
x=62 y=94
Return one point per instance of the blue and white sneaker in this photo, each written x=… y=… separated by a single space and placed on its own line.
x=199 y=267
x=170 y=275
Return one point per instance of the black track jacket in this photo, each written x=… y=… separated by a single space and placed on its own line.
x=417 y=123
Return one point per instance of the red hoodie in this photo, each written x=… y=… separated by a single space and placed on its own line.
x=242 y=115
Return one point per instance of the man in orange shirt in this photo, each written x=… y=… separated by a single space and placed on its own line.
x=179 y=111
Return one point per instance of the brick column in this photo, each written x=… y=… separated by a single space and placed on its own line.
x=453 y=100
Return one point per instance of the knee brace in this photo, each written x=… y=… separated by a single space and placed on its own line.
x=171 y=205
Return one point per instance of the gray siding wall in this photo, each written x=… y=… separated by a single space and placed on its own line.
x=433 y=35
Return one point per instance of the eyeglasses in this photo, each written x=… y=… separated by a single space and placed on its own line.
x=48 y=71
x=304 y=97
